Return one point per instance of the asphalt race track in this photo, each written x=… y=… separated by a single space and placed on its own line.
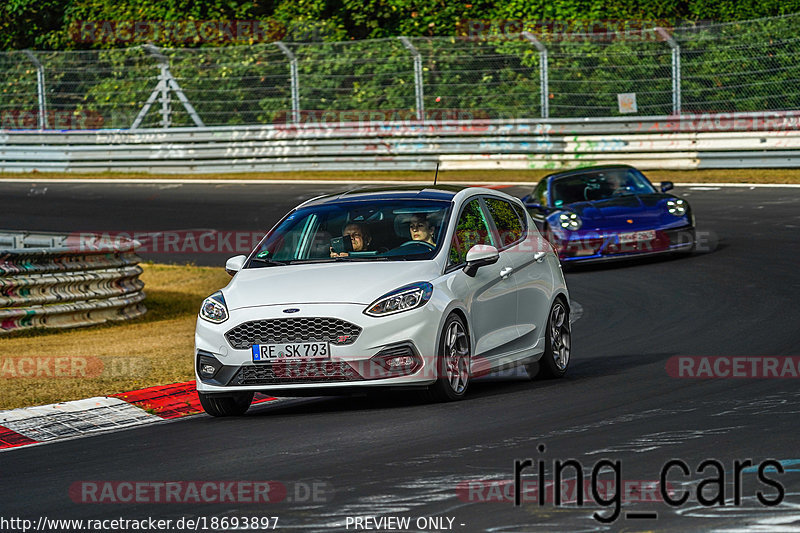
x=737 y=296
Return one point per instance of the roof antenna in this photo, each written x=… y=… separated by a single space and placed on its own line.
x=437 y=173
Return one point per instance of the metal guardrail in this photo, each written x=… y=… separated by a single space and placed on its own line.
x=60 y=281
x=666 y=142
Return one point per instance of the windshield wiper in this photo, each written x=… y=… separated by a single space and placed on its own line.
x=336 y=260
x=268 y=262
x=361 y=259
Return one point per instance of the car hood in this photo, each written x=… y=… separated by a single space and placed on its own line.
x=359 y=283
x=642 y=209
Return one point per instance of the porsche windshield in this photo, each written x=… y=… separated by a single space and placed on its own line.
x=377 y=230
x=599 y=185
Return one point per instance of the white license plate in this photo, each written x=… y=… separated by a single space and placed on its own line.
x=637 y=236
x=295 y=351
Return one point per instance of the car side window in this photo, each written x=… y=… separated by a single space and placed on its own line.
x=471 y=229
x=506 y=220
x=522 y=216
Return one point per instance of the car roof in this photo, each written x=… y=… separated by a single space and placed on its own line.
x=398 y=192
x=583 y=170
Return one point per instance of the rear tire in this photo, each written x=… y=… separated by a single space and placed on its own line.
x=235 y=404
x=453 y=362
x=558 y=342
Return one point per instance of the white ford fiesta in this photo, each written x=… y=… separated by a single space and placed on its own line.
x=412 y=287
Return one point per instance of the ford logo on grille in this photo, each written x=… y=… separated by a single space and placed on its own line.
x=292 y=310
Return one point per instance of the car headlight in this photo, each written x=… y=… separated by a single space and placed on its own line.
x=570 y=221
x=214 y=308
x=403 y=299
x=677 y=207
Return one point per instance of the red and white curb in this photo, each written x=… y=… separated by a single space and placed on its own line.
x=47 y=423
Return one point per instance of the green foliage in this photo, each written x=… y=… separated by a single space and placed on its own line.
x=734 y=67
x=49 y=23
x=28 y=23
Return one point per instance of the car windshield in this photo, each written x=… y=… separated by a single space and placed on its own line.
x=598 y=185
x=377 y=230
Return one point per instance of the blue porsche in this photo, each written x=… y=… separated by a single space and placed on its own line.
x=610 y=212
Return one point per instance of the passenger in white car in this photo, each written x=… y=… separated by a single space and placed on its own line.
x=359 y=237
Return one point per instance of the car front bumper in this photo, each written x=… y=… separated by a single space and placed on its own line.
x=350 y=366
x=587 y=247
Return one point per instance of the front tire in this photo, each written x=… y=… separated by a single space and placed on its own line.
x=558 y=342
x=235 y=404
x=453 y=362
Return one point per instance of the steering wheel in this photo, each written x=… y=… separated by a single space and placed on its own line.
x=410 y=243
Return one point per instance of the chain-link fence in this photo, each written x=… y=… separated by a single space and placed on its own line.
x=746 y=66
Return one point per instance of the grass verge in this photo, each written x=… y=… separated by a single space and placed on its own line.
x=155 y=349
x=780 y=176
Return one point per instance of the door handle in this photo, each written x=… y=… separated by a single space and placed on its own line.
x=539 y=256
x=506 y=272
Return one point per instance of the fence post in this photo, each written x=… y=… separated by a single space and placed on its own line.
x=166 y=107
x=39 y=88
x=295 y=82
x=417 y=77
x=544 y=82
x=676 y=70
x=166 y=82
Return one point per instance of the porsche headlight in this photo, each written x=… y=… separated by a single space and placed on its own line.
x=403 y=299
x=677 y=207
x=570 y=221
x=214 y=308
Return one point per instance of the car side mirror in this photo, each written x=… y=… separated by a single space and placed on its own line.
x=666 y=185
x=235 y=264
x=478 y=256
x=540 y=209
x=530 y=202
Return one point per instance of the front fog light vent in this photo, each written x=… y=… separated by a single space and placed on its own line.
x=207 y=364
x=398 y=360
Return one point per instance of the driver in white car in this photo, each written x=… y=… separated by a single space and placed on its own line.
x=421 y=229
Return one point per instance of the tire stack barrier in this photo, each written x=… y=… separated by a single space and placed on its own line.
x=61 y=281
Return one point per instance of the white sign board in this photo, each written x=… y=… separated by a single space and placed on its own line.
x=627 y=102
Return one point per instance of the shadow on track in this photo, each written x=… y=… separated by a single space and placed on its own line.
x=485 y=387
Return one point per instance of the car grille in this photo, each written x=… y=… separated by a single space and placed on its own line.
x=286 y=373
x=284 y=330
